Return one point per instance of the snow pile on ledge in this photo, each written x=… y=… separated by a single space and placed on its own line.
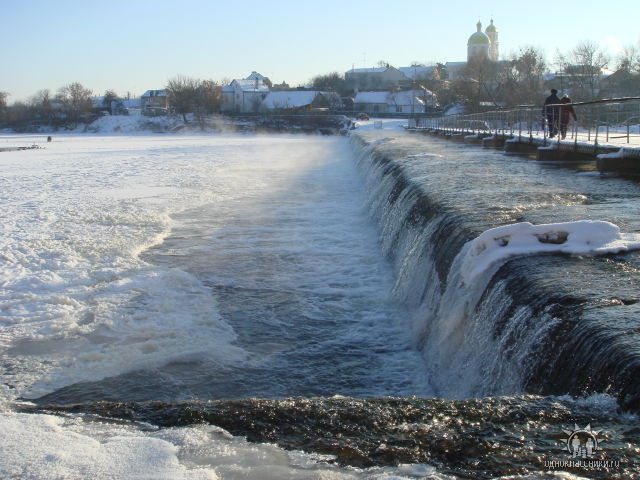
x=618 y=154
x=134 y=123
x=584 y=237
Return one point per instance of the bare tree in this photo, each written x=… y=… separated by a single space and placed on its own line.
x=629 y=59
x=75 y=100
x=530 y=66
x=3 y=105
x=333 y=81
x=182 y=92
x=583 y=66
x=210 y=97
x=109 y=97
x=479 y=83
x=18 y=115
x=3 y=101
x=42 y=106
x=523 y=77
x=189 y=95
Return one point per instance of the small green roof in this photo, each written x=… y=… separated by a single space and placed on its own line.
x=491 y=28
x=479 y=38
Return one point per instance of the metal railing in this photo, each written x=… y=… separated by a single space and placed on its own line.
x=612 y=121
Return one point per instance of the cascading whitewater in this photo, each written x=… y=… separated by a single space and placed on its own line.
x=485 y=326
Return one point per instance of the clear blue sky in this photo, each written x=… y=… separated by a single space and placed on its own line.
x=135 y=45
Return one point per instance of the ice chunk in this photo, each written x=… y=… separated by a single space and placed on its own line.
x=585 y=237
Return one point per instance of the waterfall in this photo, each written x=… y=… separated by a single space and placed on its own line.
x=504 y=330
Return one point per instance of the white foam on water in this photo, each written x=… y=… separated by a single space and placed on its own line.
x=451 y=341
x=76 y=301
x=79 y=447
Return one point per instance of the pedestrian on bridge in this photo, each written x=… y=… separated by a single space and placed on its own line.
x=566 y=112
x=551 y=111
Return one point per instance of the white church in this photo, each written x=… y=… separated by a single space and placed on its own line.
x=481 y=45
x=484 y=44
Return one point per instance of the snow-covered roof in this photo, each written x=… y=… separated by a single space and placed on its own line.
x=255 y=75
x=605 y=72
x=371 y=97
x=414 y=73
x=154 y=93
x=406 y=98
x=289 y=99
x=409 y=97
x=250 y=85
x=297 y=98
x=368 y=70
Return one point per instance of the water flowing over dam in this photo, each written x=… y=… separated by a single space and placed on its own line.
x=381 y=306
x=542 y=324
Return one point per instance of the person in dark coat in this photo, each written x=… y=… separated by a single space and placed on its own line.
x=566 y=112
x=551 y=111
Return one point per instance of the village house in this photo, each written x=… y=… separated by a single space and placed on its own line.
x=622 y=83
x=126 y=106
x=245 y=95
x=404 y=102
x=480 y=45
x=98 y=106
x=257 y=76
x=155 y=102
x=454 y=70
x=374 y=78
x=418 y=73
x=299 y=100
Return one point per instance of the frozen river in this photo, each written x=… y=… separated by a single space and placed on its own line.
x=309 y=294
x=181 y=268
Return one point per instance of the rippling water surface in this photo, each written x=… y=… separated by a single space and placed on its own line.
x=272 y=287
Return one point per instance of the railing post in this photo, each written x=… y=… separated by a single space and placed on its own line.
x=519 y=127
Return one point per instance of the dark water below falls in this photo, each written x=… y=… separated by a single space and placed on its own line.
x=338 y=273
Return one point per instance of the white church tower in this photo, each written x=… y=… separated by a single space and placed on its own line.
x=492 y=33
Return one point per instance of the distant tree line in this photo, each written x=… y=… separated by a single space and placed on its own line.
x=73 y=104
x=523 y=78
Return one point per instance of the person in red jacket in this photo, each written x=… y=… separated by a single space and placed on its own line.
x=566 y=112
